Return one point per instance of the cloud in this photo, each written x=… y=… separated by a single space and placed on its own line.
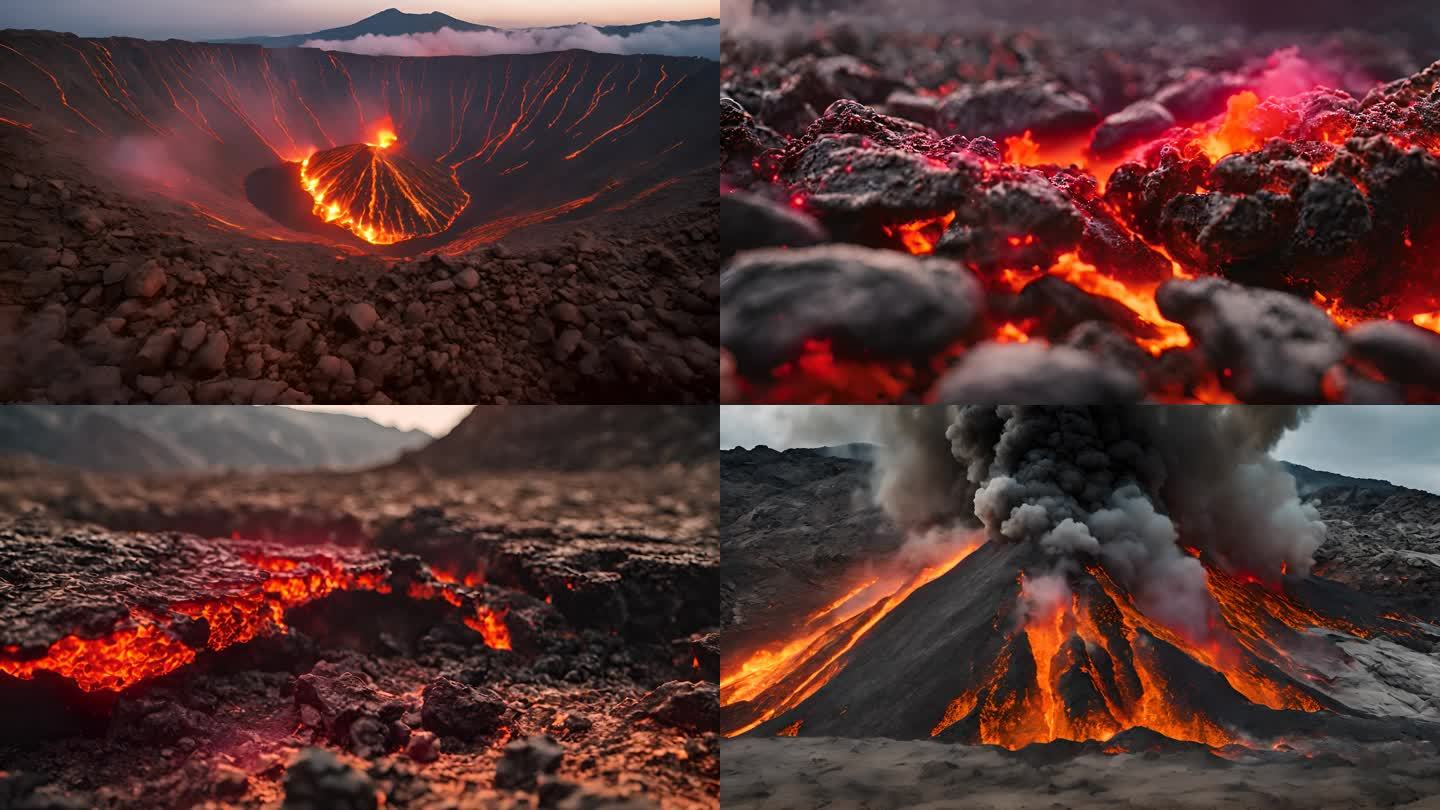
x=667 y=39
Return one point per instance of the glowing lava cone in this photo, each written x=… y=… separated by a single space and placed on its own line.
x=380 y=194
x=980 y=657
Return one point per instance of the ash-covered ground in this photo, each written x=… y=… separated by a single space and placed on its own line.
x=511 y=637
x=1039 y=204
x=801 y=528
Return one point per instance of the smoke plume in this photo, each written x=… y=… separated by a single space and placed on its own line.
x=667 y=39
x=1132 y=488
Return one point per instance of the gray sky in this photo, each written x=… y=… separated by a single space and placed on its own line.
x=433 y=419
x=1399 y=443
x=162 y=19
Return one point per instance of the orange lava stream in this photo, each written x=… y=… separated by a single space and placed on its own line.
x=146 y=646
x=1427 y=320
x=655 y=100
x=767 y=668
x=497 y=228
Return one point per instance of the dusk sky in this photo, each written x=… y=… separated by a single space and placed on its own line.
x=433 y=419
x=161 y=19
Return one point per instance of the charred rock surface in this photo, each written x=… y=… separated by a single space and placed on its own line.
x=1075 y=153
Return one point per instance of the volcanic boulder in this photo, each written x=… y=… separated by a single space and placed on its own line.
x=775 y=301
x=316 y=780
x=454 y=709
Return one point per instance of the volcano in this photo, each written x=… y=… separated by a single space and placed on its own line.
x=1219 y=224
x=1082 y=611
x=380 y=195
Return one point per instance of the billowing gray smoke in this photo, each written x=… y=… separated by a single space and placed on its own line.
x=1130 y=486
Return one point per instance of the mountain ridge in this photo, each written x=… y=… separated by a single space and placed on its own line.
x=393 y=22
x=196 y=437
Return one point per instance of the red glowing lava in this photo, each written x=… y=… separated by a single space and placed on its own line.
x=147 y=645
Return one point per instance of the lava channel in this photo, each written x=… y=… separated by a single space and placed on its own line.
x=155 y=640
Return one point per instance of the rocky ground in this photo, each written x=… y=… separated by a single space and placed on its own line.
x=612 y=705
x=113 y=296
x=828 y=772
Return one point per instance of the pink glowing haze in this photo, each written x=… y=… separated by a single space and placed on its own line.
x=159 y=19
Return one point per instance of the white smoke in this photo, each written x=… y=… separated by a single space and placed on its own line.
x=666 y=39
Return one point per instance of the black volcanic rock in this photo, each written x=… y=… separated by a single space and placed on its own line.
x=772 y=507
x=453 y=709
x=774 y=301
x=316 y=780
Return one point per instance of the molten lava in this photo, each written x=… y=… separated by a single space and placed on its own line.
x=1076 y=637
x=379 y=194
x=150 y=642
x=1084 y=661
x=820 y=650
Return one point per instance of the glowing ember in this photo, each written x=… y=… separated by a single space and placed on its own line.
x=1139 y=299
x=920 y=236
x=1427 y=320
x=379 y=194
x=1246 y=126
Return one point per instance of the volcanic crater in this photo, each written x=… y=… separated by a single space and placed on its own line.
x=150 y=170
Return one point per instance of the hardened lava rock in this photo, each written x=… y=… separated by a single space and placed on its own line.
x=1139 y=123
x=1013 y=106
x=872 y=304
x=525 y=760
x=317 y=780
x=749 y=222
x=1271 y=346
x=350 y=711
x=454 y=709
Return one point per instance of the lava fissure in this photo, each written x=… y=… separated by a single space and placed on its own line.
x=157 y=639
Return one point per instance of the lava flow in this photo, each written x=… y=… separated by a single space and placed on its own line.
x=1084 y=662
x=379 y=194
x=801 y=666
x=155 y=640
